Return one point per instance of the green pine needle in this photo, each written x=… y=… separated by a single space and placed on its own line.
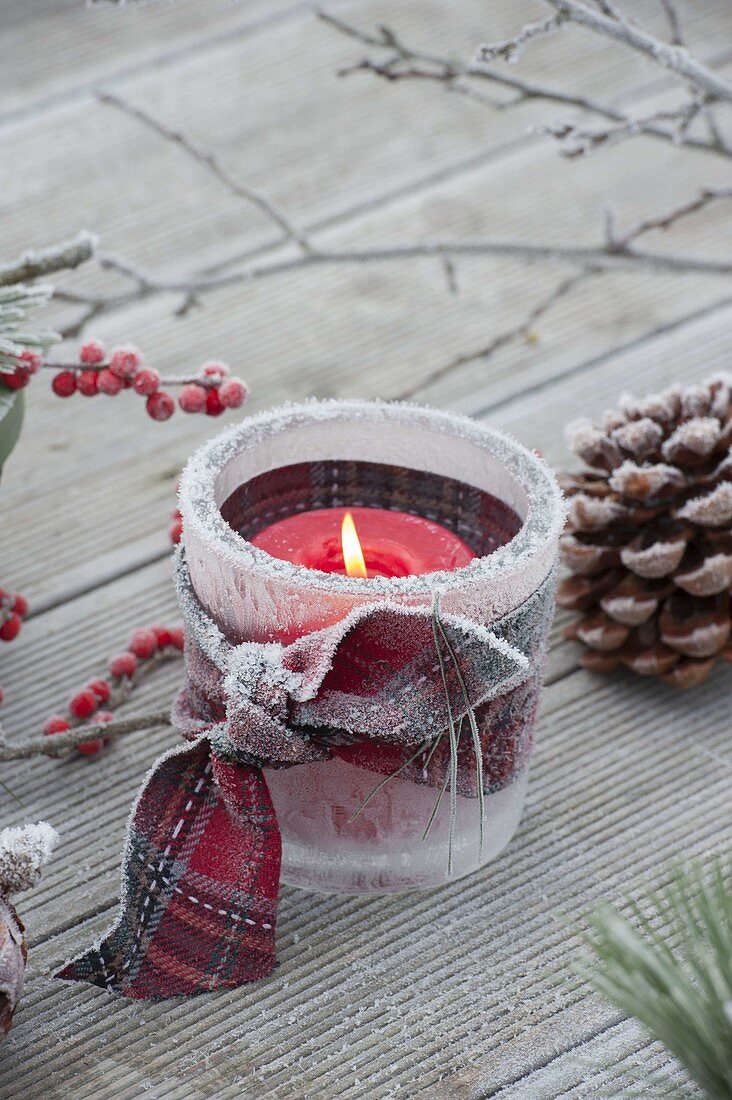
x=16 y=302
x=671 y=968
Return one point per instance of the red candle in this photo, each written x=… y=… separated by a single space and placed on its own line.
x=392 y=544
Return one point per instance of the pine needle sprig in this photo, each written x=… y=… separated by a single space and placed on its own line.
x=16 y=302
x=670 y=966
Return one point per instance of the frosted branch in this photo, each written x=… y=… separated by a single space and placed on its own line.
x=675 y=58
x=59 y=744
x=404 y=62
x=40 y=263
x=512 y=48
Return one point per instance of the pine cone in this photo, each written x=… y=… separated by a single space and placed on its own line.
x=649 y=534
x=23 y=852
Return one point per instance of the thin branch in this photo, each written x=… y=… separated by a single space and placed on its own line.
x=404 y=63
x=214 y=166
x=40 y=263
x=665 y=221
x=673 y=22
x=676 y=59
x=599 y=256
x=512 y=48
x=60 y=744
x=523 y=329
x=578 y=141
x=164 y=380
x=448 y=70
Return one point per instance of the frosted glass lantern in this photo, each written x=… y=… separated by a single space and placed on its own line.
x=497 y=496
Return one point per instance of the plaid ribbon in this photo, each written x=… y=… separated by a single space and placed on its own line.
x=202 y=857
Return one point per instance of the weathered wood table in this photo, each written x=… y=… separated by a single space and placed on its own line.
x=465 y=991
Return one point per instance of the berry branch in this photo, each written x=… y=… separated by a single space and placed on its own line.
x=211 y=391
x=89 y=723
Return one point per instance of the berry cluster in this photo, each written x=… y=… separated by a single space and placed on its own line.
x=211 y=391
x=13 y=609
x=86 y=704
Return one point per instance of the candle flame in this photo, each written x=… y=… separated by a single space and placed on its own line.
x=352 y=552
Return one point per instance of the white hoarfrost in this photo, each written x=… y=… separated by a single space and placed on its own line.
x=23 y=852
x=700 y=435
x=712 y=510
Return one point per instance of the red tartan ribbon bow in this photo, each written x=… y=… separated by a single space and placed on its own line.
x=201 y=863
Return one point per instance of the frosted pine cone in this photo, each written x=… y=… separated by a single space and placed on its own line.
x=649 y=534
x=23 y=852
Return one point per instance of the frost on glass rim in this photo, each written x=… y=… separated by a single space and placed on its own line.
x=223 y=564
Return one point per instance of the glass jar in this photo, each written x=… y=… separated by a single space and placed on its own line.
x=338 y=835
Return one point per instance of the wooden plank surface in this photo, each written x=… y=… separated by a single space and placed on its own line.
x=465 y=991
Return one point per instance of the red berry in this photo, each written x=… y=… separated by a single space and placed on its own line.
x=214 y=369
x=17 y=379
x=88 y=382
x=2 y=695
x=64 y=383
x=101 y=689
x=124 y=361
x=232 y=393
x=19 y=604
x=109 y=383
x=56 y=724
x=163 y=636
x=90 y=748
x=177 y=637
x=10 y=628
x=83 y=703
x=160 y=405
x=175 y=531
x=143 y=643
x=32 y=358
x=213 y=404
x=103 y=718
x=192 y=398
x=147 y=381
x=91 y=352
x=123 y=664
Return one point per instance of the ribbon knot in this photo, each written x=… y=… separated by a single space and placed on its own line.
x=202 y=857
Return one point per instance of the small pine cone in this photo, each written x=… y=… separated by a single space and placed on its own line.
x=23 y=852
x=648 y=540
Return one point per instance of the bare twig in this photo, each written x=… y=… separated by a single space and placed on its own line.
x=60 y=744
x=579 y=141
x=214 y=166
x=405 y=62
x=40 y=263
x=603 y=257
x=449 y=71
x=673 y=22
x=512 y=48
x=665 y=221
x=675 y=58
x=521 y=330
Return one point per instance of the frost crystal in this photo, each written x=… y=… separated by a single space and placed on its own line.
x=712 y=510
x=645 y=482
x=639 y=437
x=700 y=436
x=591 y=514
